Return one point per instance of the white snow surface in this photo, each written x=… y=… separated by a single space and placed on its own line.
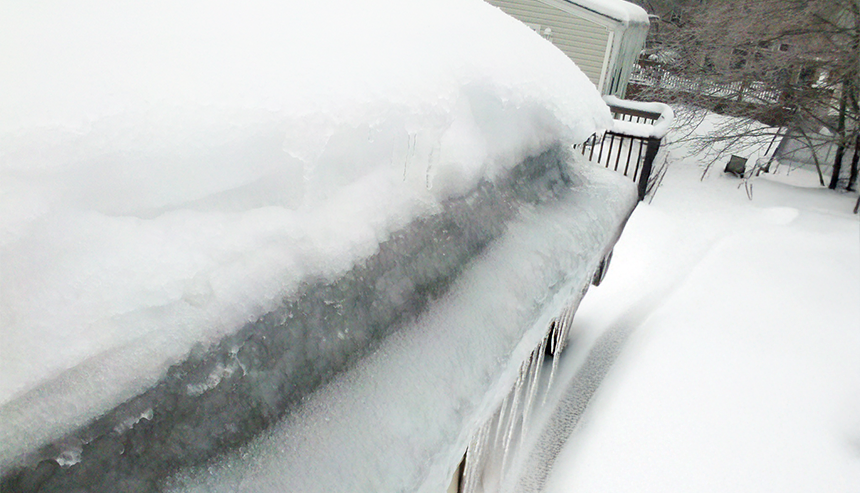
x=742 y=370
x=170 y=170
x=624 y=12
x=658 y=129
x=402 y=418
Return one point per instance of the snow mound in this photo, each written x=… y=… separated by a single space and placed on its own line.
x=170 y=171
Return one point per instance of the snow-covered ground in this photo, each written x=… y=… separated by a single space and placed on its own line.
x=171 y=171
x=742 y=372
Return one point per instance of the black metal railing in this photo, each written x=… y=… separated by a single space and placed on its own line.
x=631 y=155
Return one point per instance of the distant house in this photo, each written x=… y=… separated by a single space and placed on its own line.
x=603 y=37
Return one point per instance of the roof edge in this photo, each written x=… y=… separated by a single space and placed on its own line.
x=617 y=10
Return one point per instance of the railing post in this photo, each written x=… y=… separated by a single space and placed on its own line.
x=645 y=174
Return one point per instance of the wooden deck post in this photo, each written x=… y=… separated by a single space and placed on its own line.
x=647 y=165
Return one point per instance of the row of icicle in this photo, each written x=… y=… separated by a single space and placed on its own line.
x=497 y=442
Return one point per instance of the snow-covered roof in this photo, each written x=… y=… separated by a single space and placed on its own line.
x=618 y=10
x=169 y=172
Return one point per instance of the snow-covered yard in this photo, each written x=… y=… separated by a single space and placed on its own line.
x=741 y=372
x=173 y=176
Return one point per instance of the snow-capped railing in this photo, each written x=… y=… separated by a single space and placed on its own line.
x=631 y=146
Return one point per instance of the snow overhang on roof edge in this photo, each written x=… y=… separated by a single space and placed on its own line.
x=617 y=10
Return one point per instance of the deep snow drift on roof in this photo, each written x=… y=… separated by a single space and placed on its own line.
x=170 y=172
x=619 y=10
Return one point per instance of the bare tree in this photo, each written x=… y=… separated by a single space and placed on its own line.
x=793 y=65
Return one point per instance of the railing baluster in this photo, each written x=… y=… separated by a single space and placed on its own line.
x=643 y=163
x=629 y=155
x=600 y=154
x=609 y=154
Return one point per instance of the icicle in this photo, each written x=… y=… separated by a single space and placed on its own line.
x=556 y=351
x=470 y=469
x=542 y=358
x=501 y=420
x=562 y=326
x=527 y=386
x=512 y=422
x=479 y=463
x=476 y=459
x=568 y=323
x=495 y=443
x=534 y=382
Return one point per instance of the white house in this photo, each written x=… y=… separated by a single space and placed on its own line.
x=603 y=37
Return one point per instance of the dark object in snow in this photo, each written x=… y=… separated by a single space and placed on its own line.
x=737 y=166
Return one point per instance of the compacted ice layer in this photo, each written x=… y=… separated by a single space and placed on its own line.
x=402 y=418
x=171 y=172
x=219 y=400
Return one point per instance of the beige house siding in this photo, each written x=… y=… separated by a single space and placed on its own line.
x=585 y=42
